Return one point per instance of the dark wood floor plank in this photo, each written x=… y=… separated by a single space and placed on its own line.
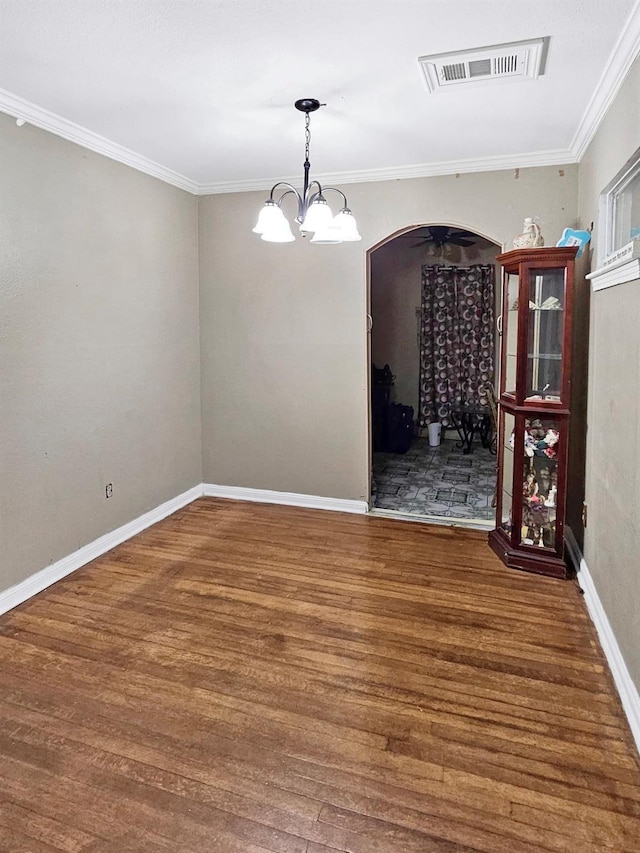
x=350 y=648
x=578 y=697
x=601 y=833
x=261 y=679
x=590 y=787
x=38 y=827
x=14 y=841
x=572 y=758
x=406 y=830
x=103 y=744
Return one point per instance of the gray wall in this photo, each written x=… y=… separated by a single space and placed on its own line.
x=284 y=342
x=612 y=535
x=99 y=349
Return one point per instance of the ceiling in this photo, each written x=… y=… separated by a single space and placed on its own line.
x=201 y=92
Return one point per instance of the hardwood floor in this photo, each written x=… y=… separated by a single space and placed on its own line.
x=248 y=678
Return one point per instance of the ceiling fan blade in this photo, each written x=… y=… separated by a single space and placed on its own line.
x=439 y=233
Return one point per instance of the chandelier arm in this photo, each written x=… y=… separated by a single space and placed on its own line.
x=291 y=190
x=336 y=190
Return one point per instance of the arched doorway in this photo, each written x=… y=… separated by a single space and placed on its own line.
x=433 y=296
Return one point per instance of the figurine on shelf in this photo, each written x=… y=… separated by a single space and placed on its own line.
x=544 y=481
x=531 y=237
x=551 y=303
x=538 y=441
x=547 y=447
x=530 y=489
x=530 y=443
x=574 y=238
x=551 y=500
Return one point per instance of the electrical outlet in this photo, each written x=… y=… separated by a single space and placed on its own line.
x=108 y=490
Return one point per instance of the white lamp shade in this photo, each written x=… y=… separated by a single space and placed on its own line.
x=270 y=216
x=345 y=222
x=329 y=234
x=279 y=232
x=318 y=216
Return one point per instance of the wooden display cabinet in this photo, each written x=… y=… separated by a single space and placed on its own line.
x=535 y=386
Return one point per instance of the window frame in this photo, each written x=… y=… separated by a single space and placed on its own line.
x=613 y=195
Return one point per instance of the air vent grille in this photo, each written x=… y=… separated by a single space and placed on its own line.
x=505 y=64
x=457 y=71
x=522 y=60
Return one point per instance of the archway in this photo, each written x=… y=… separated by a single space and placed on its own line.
x=397 y=419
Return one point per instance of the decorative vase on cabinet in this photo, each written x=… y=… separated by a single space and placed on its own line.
x=535 y=407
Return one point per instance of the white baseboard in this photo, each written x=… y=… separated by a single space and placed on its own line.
x=35 y=583
x=627 y=690
x=20 y=592
x=267 y=496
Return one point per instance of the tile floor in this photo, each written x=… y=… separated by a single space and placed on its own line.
x=436 y=481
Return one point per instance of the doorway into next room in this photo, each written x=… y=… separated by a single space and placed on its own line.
x=434 y=295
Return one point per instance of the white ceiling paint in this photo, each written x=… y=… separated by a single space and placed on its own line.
x=200 y=92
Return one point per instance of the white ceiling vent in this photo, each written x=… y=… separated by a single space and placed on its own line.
x=516 y=61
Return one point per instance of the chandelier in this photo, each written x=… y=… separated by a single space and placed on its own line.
x=314 y=214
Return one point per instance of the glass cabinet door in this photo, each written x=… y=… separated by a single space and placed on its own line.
x=506 y=453
x=545 y=320
x=540 y=456
x=510 y=333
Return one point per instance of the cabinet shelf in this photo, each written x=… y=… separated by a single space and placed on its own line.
x=538 y=308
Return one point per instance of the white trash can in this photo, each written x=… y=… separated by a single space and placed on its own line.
x=434 y=434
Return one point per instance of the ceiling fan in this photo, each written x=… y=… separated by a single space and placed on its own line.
x=440 y=235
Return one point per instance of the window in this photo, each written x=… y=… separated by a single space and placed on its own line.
x=620 y=206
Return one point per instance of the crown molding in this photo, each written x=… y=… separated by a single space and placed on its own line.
x=624 y=53
x=556 y=157
x=621 y=58
x=20 y=108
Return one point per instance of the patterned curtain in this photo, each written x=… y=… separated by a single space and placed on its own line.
x=456 y=339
